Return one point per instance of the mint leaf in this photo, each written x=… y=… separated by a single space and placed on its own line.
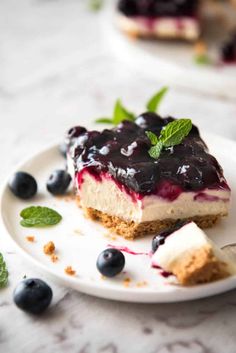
x=154 y=103
x=120 y=113
x=155 y=151
x=95 y=5
x=37 y=216
x=152 y=137
x=104 y=121
x=202 y=59
x=3 y=272
x=174 y=132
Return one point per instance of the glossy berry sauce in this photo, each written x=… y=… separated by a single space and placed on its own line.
x=158 y=8
x=121 y=154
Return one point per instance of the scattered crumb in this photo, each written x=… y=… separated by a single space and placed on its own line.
x=69 y=271
x=141 y=284
x=126 y=282
x=78 y=231
x=103 y=277
x=67 y=198
x=30 y=238
x=49 y=248
x=54 y=258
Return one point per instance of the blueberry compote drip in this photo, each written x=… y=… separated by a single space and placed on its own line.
x=158 y=8
x=122 y=153
x=228 y=50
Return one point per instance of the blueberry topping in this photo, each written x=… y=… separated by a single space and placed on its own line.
x=23 y=185
x=110 y=262
x=156 y=8
x=122 y=152
x=58 y=182
x=32 y=295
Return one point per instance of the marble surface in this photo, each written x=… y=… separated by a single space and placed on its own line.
x=57 y=70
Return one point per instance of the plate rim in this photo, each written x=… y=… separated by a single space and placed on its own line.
x=135 y=295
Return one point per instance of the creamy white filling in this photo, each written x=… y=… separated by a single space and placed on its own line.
x=186 y=240
x=106 y=196
x=182 y=27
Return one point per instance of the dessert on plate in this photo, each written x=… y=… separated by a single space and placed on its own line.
x=187 y=253
x=160 y=18
x=134 y=192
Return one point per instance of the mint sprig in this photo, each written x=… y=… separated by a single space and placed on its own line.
x=120 y=113
x=38 y=216
x=3 y=272
x=154 y=103
x=172 y=134
x=95 y=5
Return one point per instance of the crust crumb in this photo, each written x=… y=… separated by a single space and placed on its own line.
x=78 y=231
x=30 y=238
x=49 y=248
x=54 y=258
x=126 y=282
x=110 y=236
x=141 y=284
x=69 y=271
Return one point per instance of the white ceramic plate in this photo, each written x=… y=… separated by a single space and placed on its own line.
x=172 y=62
x=79 y=241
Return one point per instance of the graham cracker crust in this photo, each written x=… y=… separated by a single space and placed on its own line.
x=131 y=230
x=200 y=267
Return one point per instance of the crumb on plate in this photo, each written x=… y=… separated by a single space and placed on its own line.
x=69 y=271
x=141 y=284
x=126 y=282
x=54 y=258
x=30 y=238
x=49 y=248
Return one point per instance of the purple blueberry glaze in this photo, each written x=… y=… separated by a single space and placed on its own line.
x=158 y=8
x=122 y=154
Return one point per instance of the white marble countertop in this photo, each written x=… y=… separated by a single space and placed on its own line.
x=57 y=70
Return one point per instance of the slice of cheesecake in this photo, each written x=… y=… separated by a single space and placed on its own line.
x=120 y=184
x=190 y=255
x=160 y=18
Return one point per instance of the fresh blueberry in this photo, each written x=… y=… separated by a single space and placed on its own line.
x=23 y=185
x=58 y=182
x=63 y=149
x=110 y=262
x=32 y=295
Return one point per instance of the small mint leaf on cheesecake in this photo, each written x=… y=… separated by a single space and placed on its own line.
x=155 y=151
x=172 y=134
x=3 y=272
x=120 y=113
x=154 y=103
x=38 y=216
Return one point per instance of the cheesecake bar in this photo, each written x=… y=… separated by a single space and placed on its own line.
x=190 y=255
x=170 y=19
x=119 y=184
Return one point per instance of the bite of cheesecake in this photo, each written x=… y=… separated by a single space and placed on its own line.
x=119 y=184
x=187 y=253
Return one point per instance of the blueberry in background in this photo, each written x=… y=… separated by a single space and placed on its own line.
x=23 y=185
x=32 y=295
x=110 y=262
x=58 y=182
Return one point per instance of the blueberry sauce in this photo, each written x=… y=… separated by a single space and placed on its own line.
x=228 y=50
x=121 y=154
x=127 y=250
x=158 y=8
